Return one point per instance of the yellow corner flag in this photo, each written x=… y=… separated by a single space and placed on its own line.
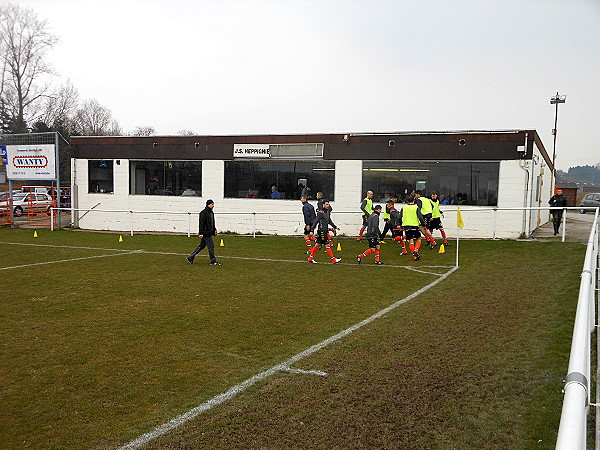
x=35 y=234
x=120 y=238
x=442 y=249
x=221 y=244
x=339 y=247
x=459 y=220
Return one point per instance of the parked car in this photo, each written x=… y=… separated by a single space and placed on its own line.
x=4 y=194
x=590 y=200
x=22 y=201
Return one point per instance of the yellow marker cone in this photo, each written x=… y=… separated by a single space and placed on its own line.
x=35 y=234
x=339 y=247
x=442 y=249
x=221 y=244
x=120 y=238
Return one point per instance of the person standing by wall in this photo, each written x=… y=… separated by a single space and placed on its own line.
x=321 y=223
x=367 y=209
x=206 y=230
x=373 y=234
x=308 y=211
x=558 y=200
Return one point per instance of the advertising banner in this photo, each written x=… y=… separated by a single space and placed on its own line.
x=251 y=151
x=3 y=160
x=30 y=162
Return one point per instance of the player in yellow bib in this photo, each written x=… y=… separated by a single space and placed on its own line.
x=426 y=208
x=413 y=223
x=436 y=222
x=367 y=209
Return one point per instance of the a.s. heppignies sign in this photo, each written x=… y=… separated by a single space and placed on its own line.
x=251 y=151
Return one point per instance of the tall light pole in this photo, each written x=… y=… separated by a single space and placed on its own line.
x=555 y=100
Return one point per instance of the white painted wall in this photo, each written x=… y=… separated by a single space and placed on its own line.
x=284 y=217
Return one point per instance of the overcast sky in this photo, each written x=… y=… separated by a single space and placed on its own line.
x=331 y=66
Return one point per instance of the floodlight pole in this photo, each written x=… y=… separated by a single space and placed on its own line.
x=555 y=100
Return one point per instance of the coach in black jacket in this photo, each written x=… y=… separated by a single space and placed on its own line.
x=206 y=230
x=558 y=200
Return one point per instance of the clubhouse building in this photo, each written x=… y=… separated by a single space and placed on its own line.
x=159 y=183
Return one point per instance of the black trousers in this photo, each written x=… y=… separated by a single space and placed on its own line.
x=386 y=228
x=557 y=219
x=206 y=241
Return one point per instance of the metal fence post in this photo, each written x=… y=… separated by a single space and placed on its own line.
x=189 y=224
x=494 y=223
x=564 y=225
x=131 y=222
x=254 y=226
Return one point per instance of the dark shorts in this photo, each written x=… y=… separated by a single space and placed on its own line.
x=322 y=237
x=427 y=218
x=396 y=232
x=373 y=242
x=412 y=233
x=435 y=223
x=365 y=220
x=306 y=232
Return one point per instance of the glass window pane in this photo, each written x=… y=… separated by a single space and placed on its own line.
x=100 y=176
x=473 y=183
x=165 y=178
x=279 y=179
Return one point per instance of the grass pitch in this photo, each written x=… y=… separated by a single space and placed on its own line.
x=102 y=341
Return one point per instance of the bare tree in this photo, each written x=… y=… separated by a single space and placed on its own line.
x=93 y=119
x=59 y=109
x=115 y=129
x=186 y=133
x=145 y=130
x=24 y=42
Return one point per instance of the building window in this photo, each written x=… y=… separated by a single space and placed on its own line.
x=165 y=178
x=472 y=183
x=256 y=179
x=100 y=176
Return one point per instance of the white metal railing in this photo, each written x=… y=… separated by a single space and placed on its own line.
x=572 y=431
x=468 y=210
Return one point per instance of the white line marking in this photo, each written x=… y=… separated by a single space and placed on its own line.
x=232 y=392
x=243 y=258
x=67 y=260
x=65 y=246
x=306 y=372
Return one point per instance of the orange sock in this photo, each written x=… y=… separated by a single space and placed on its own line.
x=412 y=247
x=418 y=245
x=307 y=240
x=329 y=252
x=376 y=255
x=314 y=251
